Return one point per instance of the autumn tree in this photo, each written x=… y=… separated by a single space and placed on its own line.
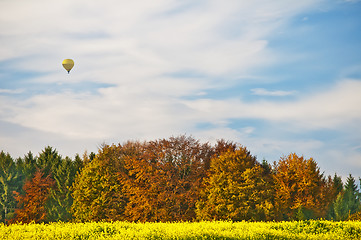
x=163 y=181
x=237 y=189
x=97 y=192
x=32 y=205
x=300 y=188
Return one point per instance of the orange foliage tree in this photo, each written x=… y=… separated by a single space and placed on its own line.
x=163 y=182
x=301 y=190
x=32 y=205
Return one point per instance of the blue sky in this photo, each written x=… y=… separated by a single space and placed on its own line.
x=275 y=76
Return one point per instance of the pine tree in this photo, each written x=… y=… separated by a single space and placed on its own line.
x=335 y=187
x=337 y=184
x=60 y=201
x=340 y=209
x=9 y=182
x=347 y=202
x=48 y=160
x=351 y=195
x=28 y=166
x=357 y=215
x=79 y=163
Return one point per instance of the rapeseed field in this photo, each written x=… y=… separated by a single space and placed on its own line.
x=312 y=229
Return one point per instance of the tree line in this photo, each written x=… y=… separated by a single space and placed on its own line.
x=174 y=179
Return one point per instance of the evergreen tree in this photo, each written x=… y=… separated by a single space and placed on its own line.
x=48 y=160
x=79 y=163
x=28 y=166
x=351 y=196
x=50 y=163
x=336 y=188
x=266 y=167
x=340 y=209
x=357 y=215
x=9 y=182
x=347 y=202
x=337 y=184
x=60 y=201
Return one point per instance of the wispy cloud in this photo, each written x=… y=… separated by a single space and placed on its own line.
x=333 y=107
x=276 y=93
x=11 y=91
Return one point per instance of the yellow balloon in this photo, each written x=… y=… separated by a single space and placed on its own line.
x=68 y=64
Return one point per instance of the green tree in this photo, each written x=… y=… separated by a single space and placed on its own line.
x=357 y=215
x=337 y=184
x=335 y=187
x=27 y=166
x=351 y=195
x=79 y=162
x=9 y=182
x=59 y=205
x=347 y=202
x=51 y=164
x=340 y=209
x=236 y=189
x=48 y=160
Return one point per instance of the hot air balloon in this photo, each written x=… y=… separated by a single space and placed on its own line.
x=68 y=64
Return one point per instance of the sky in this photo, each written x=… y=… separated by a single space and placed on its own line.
x=277 y=77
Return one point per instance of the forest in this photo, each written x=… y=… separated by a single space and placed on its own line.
x=168 y=180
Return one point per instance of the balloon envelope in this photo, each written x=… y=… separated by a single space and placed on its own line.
x=68 y=64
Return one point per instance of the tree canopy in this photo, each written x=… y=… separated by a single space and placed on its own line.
x=173 y=179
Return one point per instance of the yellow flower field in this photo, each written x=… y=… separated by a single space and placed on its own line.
x=318 y=229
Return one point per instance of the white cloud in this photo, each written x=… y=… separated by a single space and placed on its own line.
x=325 y=109
x=152 y=36
x=11 y=91
x=127 y=111
x=265 y=92
x=160 y=58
